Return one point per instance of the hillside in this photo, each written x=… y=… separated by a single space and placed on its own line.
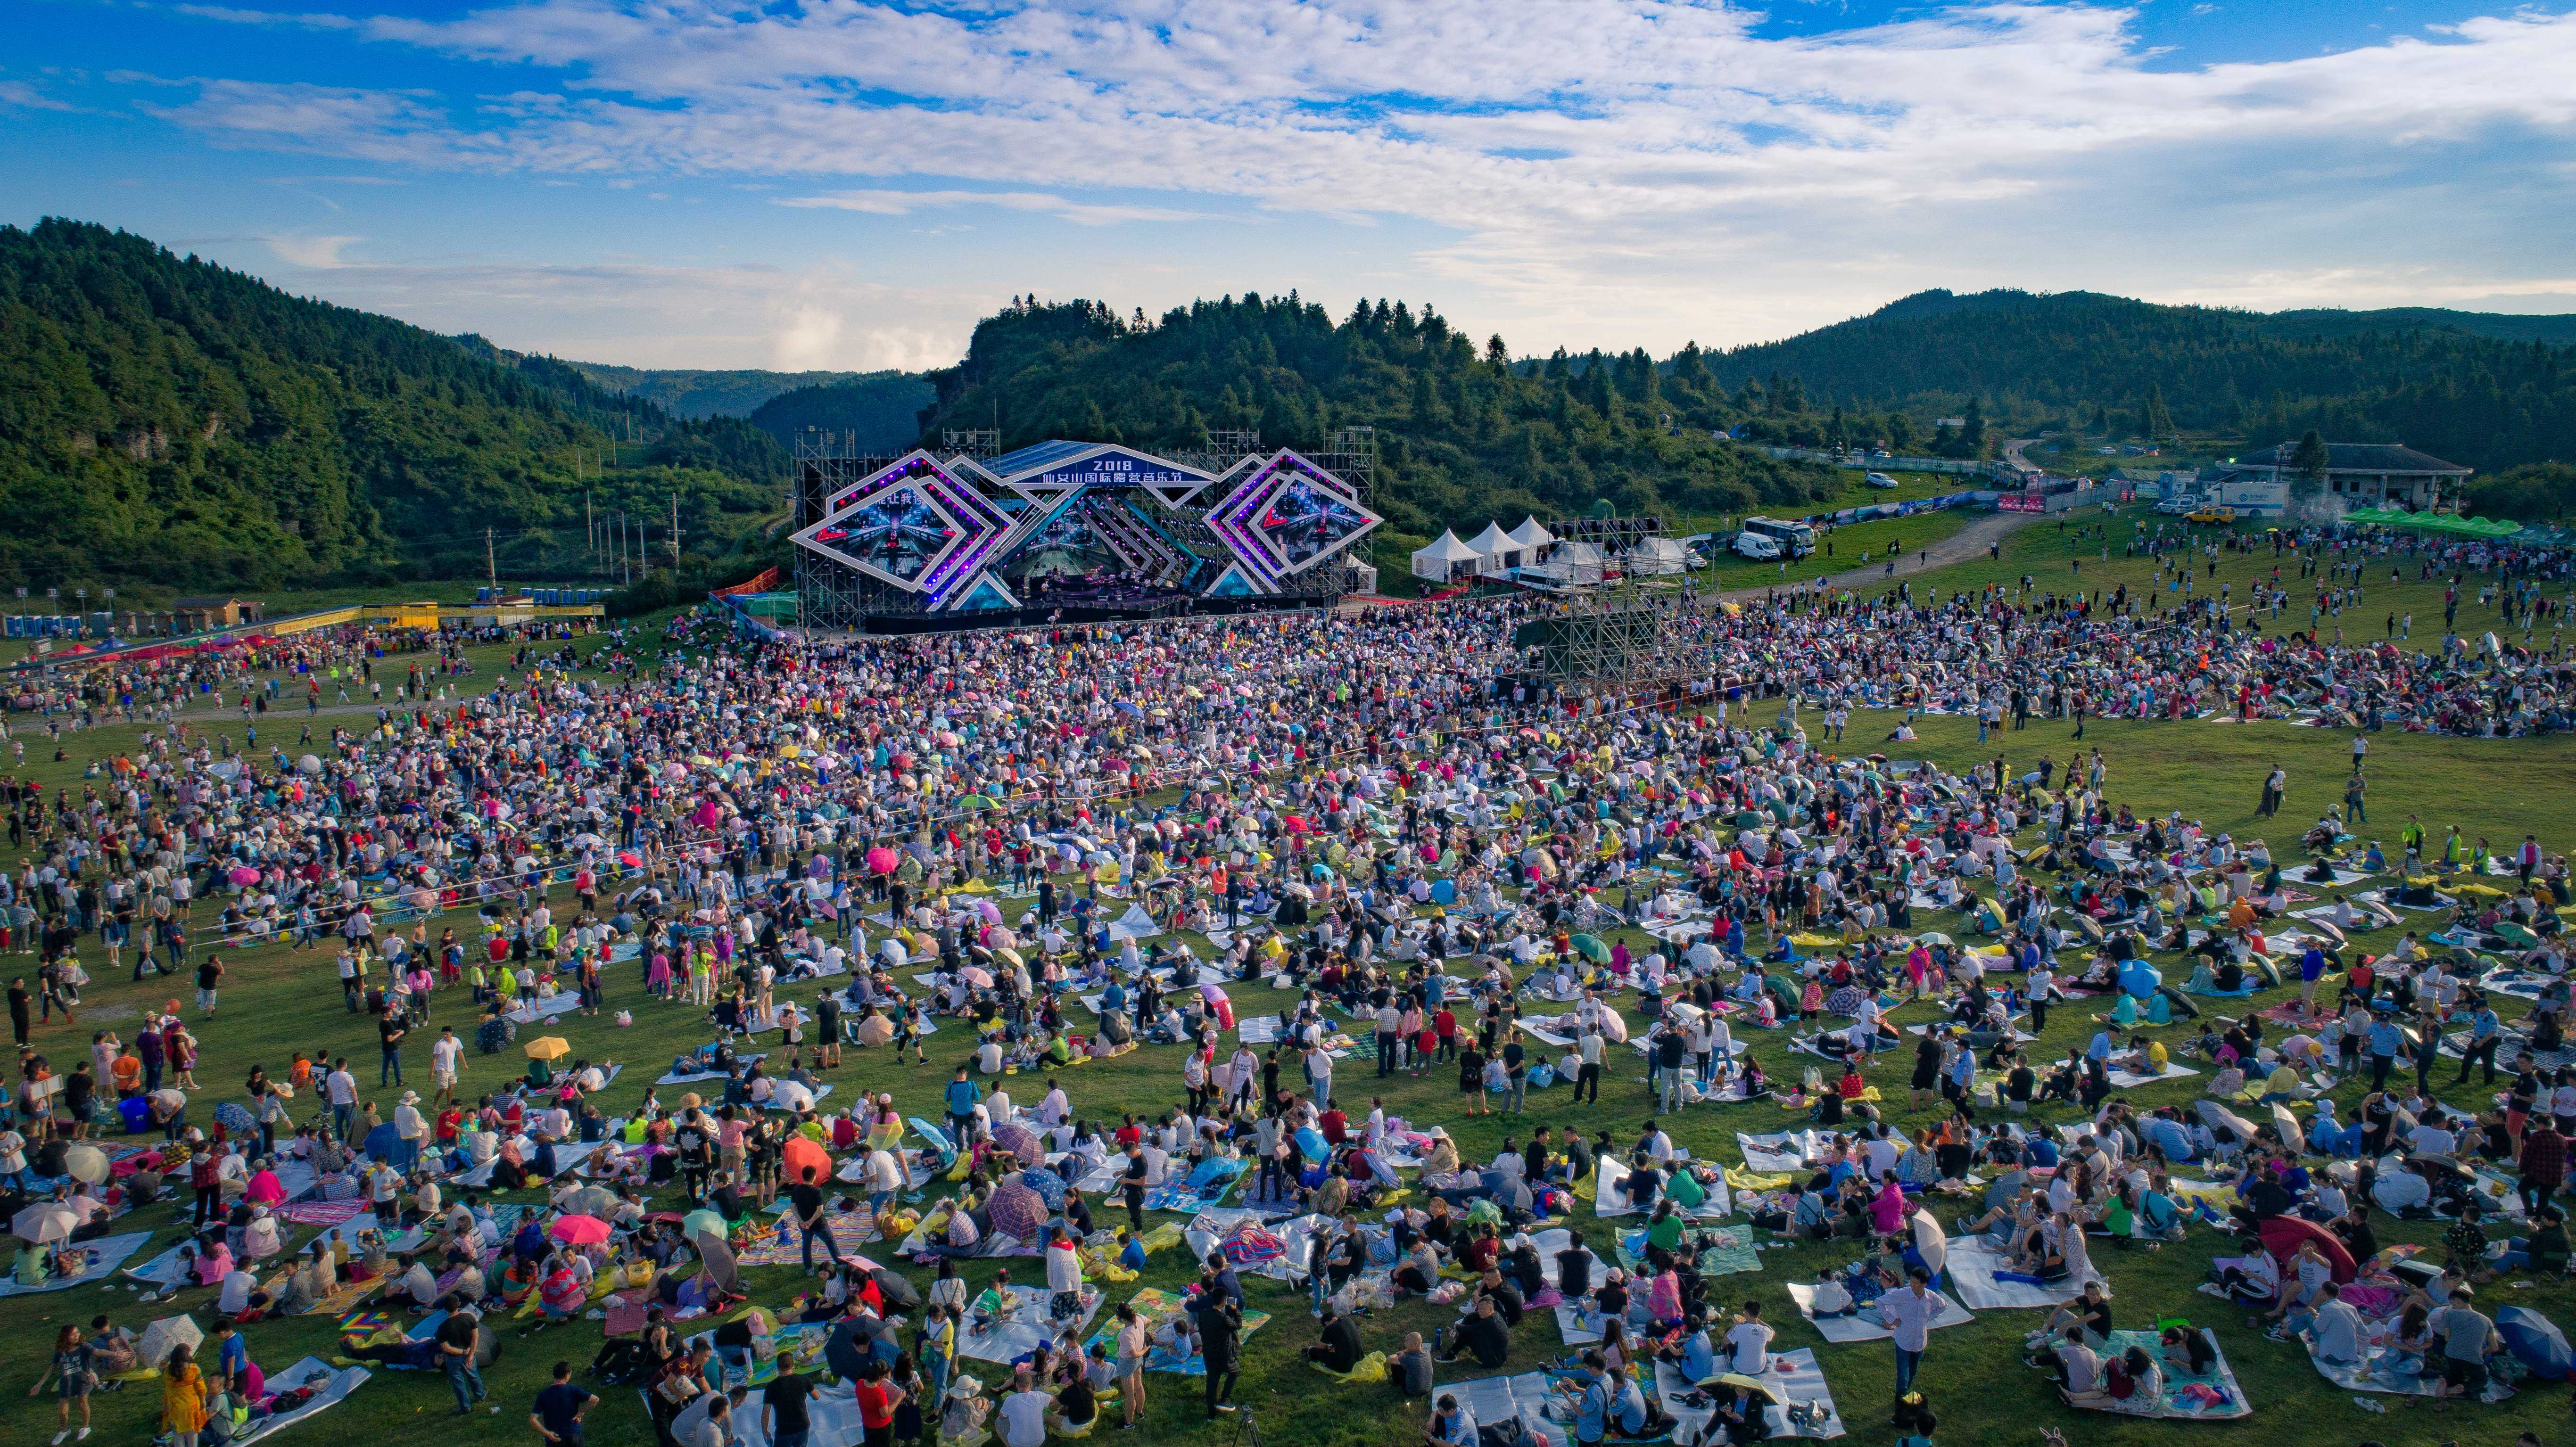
x=883 y=408
x=2487 y=390
x=169 y=422
x=1461 y=437
x=695 y=393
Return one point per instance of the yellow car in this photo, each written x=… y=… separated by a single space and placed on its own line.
x=2211 y=515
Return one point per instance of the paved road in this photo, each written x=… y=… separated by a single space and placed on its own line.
x=1968 y=542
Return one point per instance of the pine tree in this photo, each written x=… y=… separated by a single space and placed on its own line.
x=2160 y=423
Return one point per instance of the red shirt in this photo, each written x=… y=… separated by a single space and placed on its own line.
x=876 y=1406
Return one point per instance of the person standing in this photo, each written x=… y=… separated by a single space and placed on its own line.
x=558 y=1409
x=389 y=1035
x=1221 y=1345
x=456 y=1342
x=2275 y=784
x=1908 y=1312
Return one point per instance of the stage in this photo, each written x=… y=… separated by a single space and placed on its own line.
x=1066 y=532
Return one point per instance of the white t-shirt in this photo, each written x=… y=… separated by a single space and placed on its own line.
x=1750 y=1341
x=1024 y=1419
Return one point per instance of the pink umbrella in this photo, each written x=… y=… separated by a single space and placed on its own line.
x=881 y=860
x=580 y=1230
x=244 y=874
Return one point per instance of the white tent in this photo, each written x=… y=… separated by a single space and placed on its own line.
x=1444 y=557
x=1500 y=552
x=1530 y=535
x=1571 y=564
x=1653 y=557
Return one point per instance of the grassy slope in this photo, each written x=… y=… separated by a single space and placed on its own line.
x=277 y=1002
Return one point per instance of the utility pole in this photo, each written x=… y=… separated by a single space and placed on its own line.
x=589 y=530
x=491 y=562
x=675 y=534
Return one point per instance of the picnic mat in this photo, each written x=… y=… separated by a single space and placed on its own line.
x=1793 y=1377
x=1607 y=1184
x=2211 y=1396
x=1030 y=1326
x=2131 y=1080
x=1155 y=1306
x=1725 y=1252
x=1781 y=1152
x=786 y=1245
x=1973 y=1265
x=1863 y=1324
x=105 y=1255
x=331 y=1386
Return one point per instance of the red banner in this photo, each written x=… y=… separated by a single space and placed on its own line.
x=760 y=582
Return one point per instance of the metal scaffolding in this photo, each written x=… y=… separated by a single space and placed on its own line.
x=1612 y=639
x=831 y=596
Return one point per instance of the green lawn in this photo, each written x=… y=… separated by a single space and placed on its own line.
x=277 y=1001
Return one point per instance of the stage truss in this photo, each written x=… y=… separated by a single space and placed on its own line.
x=1613 y=640
x=975 y=537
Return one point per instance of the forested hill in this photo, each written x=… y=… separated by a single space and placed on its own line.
x=1461 y=436
x=882 y=408
x=166 y=421
x=2486 y=390
x=695 y=392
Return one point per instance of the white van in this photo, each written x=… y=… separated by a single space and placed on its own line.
x=1880 y=479
x=1761 y=547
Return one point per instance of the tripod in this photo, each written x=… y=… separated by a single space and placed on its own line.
x=1247 y=1432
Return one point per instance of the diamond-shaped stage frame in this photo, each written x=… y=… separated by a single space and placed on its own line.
x=946 y=532
x=971 y=525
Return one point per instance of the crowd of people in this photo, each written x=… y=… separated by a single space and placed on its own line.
x=1445 y=865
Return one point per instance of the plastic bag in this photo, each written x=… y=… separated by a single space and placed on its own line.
x=1370 y=1368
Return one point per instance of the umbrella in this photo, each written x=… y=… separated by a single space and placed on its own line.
x=590 y=1201
x=45 y=1221
x=1019 y=1210
x=87 y=1163
x=881 y=860
x=1591 y=948
x=976 y=977
x=1049 y=1186
x=703 y=1222
x=802 y=1155
x=1009 y=956
x=165 y=1336
x=244 y=874
x=630 y=859
x=1020 y=1141
x=580 y=1230
x=550 y=1047
x=1934 y=937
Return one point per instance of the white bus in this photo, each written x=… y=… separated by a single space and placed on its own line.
x=1796 y=539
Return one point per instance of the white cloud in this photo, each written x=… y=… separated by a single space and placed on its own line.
x=1599 y=169
x=26 y=97
x=821 y=315
x=905 y=203
x=318 y=253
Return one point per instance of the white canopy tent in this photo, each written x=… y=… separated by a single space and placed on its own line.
x=1500 y=552
x=1444 y=558
x=1656 y=557
x=1570 y=564
x=1529 y=536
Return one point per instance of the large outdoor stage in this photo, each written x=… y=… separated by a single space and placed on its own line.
x=1064 y=532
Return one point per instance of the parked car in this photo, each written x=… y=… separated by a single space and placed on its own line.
x=1760 y=547
x=1880 y=479
x=2212 y=514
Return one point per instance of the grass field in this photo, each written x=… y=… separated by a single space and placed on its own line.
x=277 y=1001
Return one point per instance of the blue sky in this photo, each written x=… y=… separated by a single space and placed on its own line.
x=850 y=184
